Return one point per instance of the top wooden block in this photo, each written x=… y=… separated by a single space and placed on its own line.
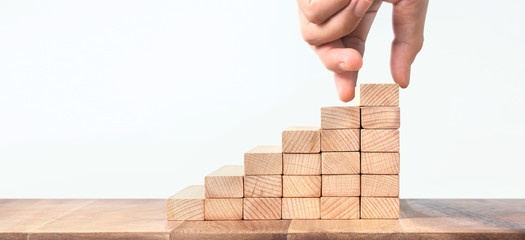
x=264 y=160
x=225 y=182
x=340 y=117
x=379 y=95
x=187 y=204
x=301 y=140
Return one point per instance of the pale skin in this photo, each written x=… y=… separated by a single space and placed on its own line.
x=337 y=32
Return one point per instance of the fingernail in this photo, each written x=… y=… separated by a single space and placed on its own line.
x=361 y=7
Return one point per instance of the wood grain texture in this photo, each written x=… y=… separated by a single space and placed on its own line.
x=380 y=117
x=262 y=208
x=187 y=204
x=225 y=182
x=223 y=209
x=263 y=160
x=301 y=186
x=301 y=208
x=379 y=207
x=302 y=164
x=340 y=208
x=380 y=163
x=379 y=95
x=340 y=163
x=301 y=140
x=263 y=186
x=380 y=185
x=341 y=185
x=340 y=117
x=375 y=140
x=345 y=140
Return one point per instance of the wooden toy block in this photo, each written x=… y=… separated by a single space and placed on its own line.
x=380 y=185
x=340 y=163
x=301 y=186
x=379 y=208
x=341 y=185
x=380 y=117
x=301 y=208
x=187 y=204
x=339 y=207
x=340 y=117
x=340 y=140
x=379 y=163
x=223 y=209
x=263 y=186
x=379 y=95
x=375 y=140
x=302 y=164
x=225 y=182
x=301 y=140
x=264 y=160
x=262 y=208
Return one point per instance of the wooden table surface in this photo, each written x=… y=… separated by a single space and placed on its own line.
x=146 y=219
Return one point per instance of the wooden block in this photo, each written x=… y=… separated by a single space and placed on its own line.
x=379 y=163
x=223 y=209
x=263 y=186
x=379 y=95
x=301 y=140
x=302 y=164
x=264 y=160
x=341 y=185
x=380 y=208
x=301 y=208
x=262 y=208
x=340 y=163
x=339 y=207
x=375 y=140
x=346 y=140
x=380 y=117
x=187 y=204
x=301 y=186
x=340 y=117
x=380 y=185
x=225 y=182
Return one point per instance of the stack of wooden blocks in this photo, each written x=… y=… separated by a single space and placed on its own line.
x=346 y=169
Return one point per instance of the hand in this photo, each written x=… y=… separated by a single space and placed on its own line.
x=337 y=31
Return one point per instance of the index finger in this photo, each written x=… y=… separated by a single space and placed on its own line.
x=318 y=11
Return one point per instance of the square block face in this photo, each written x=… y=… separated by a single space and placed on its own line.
x=225 y=182
x=262 y=208
x=340 y=162
x=380 y=163
x=339 y=207
x=340 y=117
x=301 y=140
x=379 y=95
x=341 y=185
x=380 y=117
x=301 y=186
x=379 y=208
x=302 y=164
x=223 y=209
x=380 y=185
x=187 y=204
x=263 y=186
x=340 y=140
x=264 y=160
x=373 y=140
x=301 y=208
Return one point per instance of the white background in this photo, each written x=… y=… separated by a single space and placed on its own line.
x=138 y=99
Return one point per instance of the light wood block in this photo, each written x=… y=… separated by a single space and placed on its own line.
x=340 y=117
x=380 y=117
x=301 y=140
x=380 y=163
x=264 y=160
x=340 y=163
x=346 y=140
x=302 y=164
x=341 y=185
x=380 y=185
x=339 y=207
x=301 y=208
x=223 y=209
x=379 y=95
x=187 y=204
x=225 y=182
x=301 y=186
x=262 y=208
x=263 y=186
x=375 y=140
x=380 y=208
